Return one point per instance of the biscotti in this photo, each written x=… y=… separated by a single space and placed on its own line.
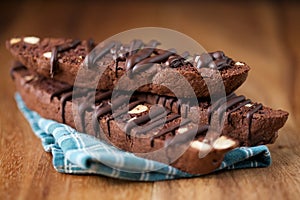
x=126 y=67
x=246 y=122
x=157 y=103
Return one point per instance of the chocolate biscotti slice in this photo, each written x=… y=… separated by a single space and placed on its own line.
x=245 y=121
x=184 y=151
x=138 y=65
x=248 y=122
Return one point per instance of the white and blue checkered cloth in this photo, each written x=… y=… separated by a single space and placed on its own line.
x=79 y=153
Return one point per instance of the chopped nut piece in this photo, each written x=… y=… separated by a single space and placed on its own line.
x=31 y=40
x=239 y=63
x=28 y=78
x=224 y=143
x=47 y=54
x=201 y=146
x=138 y=109
x=182 y=130
x=248 y=105
x=14 y=41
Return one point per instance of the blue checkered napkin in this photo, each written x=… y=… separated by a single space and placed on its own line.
x=79 y=153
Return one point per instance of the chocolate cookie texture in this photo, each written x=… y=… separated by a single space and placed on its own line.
x=150 y=123
x=122 y=66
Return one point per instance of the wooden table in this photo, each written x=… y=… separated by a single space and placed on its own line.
x=263 y=34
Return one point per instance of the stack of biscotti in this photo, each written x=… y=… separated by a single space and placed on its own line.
x=140 y=104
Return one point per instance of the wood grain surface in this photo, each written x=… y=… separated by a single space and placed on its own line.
x=263 y=34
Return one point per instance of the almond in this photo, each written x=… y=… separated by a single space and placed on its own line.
x=239 y=64
x=28 y=78
x=201 y=146
x=14 y=41
x=47 y=54
x=182 y=130
x=248 y=105
x=31 y=40
x=138 y=109
x=223 y=143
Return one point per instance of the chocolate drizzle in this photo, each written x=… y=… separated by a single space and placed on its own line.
x=163 y=100
x=66 y=94
x=245 y=102
x=173 y=104
x=63 y=100
x=250 y=117
x=90 y=45
x=114 y=52
x=219 y=103
x=139 y=56
x=231 y=102
x=156 y=123
x=221 y=107
x=106 y=108
x=85 y=105
x=155 y=111
x=175 y=61
x=135 y=45
x=16 y=66
x=117 y=65
x=61 y=91
x=178 y=106
x=68 y=97
x=154 y=59
x=98 y=55
x=121 y=111
x=215 y=59
x=60 y=49
x=124 y=110
x=169 y=129
x=190 y=135
x=108 y=125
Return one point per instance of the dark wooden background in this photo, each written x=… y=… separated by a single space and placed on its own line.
x=264 y=34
